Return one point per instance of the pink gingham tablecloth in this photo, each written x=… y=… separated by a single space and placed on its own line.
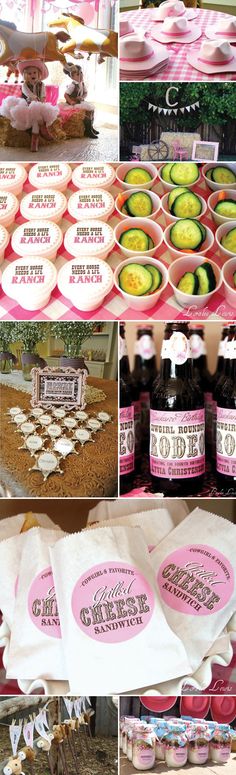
x=115 y=306
x=178 y=68
x=14 y=90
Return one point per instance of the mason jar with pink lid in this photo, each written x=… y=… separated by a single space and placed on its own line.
x=198 y=748
x=176 y=747
x=143 y=750
x=220 y=745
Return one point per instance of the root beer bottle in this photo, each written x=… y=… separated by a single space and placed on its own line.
x=228 y=334
x=177 y=419
x=226 y=424
x=126 y=422
x=202 y=375
x=125 y=374
x=143 y=375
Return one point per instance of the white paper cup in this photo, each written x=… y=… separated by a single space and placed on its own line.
x=156 y=202
x=170 y=186
x=50 y=174
x=228 y=282
x=4 y=240
x=9 y=206
x=189 y=263
x=85 y=283
x=45 y=203
x=142 y=303
x=174 y=253
x=150 y=227
x=218 y=186
x=12 y=177
x=29 y=281
x=90 y=238
x=90 y=203
x=37 y=237
x=212 y=202
x=220 y=232
x=123 y=168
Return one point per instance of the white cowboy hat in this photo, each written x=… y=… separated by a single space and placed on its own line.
x=126 y=28
x=176 y=29
x=170 y=8
x=225 y=29
x=22 y=65
x=213 y=57
x=138 y=56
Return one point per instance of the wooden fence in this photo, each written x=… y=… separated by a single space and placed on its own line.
x=142 y=134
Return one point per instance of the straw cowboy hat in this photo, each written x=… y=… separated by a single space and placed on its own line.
x=213 y=57
x=22 y=65
x=137 y=56
x=176 y=29
x=223 y=30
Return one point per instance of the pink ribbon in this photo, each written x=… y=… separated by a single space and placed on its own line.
x=139 y=59
x=216 y=61
x=176 y=33
x=226 y=33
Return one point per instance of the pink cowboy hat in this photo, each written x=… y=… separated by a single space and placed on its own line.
x=33 y=63
x=158 y=704
x=224 y=30
x=126 y=28
x=172 y=8
x=223 y=709
x=213 y=57
x=139 y=57
x=196 y=706
x=176 y=29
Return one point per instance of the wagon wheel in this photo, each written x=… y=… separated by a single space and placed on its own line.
x=158 y=150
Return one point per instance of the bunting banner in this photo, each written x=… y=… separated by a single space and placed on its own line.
x=69 y=705
x=39 y=726
x=168 y=111
x=15 y=733
x=28 y=733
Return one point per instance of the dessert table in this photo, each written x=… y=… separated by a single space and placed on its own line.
x=178 y=68
x=115 y=306
x=91 y=473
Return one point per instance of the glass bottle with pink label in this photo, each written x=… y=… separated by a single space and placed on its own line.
x=222 y=371
x=220 y=745
x=126 y=438
x=125 y=374
x=144 y=373
x=177 y=419
x=226 y=426
x=176 y=747
x=201 y=373
x=143 y=755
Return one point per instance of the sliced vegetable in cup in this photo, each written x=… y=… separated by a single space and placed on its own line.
x=228 y=241
x=184 y=173
x=137 y=175
x=137 y=240
x=138 y=204
x=139 y=279
x=187 y=235
x=199 y=282
x=186 y=205
x=221 y=175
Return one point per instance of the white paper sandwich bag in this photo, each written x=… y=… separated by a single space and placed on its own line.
x=21 y=523
x=35 y=646
x=155 y=525
x=121 y=507
x=195 y=568
x=114 y=632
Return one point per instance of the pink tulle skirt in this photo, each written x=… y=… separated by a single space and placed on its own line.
x=23 y=116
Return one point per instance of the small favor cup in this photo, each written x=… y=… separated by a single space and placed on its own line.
x=90 y=203
x=97 y=175
x=228 y=271
x=170 y=186
x=211 y=183
x=89 y=238
x=50 y=174
x=151 y=228
x=189 y=263
x=216 y=197
x=45 y=203
x=122 y=170
x=4 y=240
x=142 y=303
x=29 y=281
x=12 y=177
x=122 y=197
x=175 y=253
x=169 y=218
x=37 y=237
x=85 y=283
x=221 y=232
x=9 y=206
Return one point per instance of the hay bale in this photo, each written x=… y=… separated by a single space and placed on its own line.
x=74 y=125
x=15 y=138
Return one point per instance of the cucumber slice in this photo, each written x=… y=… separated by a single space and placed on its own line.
x=226 y=208
x=139 y=204
x=156 y=277
x=234 y=279
x=135 y=239
x=137 y=176
x=186 y=234
x=150 y=243
x=124 y=210
x=184 y=173
x=203 y=230
x=188 y=283
x=206 y=278
x=187 y=206
x=135 y=279
x=223 y=175
x=165 y=172
x=229 y=241
x=174 y=193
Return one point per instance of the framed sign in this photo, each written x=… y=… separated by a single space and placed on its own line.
x=205 y=151
x=59 y=386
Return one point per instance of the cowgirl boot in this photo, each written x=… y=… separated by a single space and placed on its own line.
x=34 y=142
x=45 y=132
x=89 y=131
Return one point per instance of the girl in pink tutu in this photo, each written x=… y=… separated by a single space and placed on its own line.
x=30 y=111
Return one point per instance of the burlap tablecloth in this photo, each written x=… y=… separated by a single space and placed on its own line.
x=92 y=473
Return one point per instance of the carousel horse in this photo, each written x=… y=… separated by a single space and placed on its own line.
x=16 y=46
x=79 y=37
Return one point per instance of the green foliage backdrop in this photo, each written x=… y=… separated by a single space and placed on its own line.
x=217 y=102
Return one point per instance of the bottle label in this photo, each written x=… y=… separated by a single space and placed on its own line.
x=177 y=444
x=226 y=441
x=177 y=348
x=122 y=347
x=197 y=346
x=146 y=347
x=112 y=602
x=126 y=451
x=196 y=579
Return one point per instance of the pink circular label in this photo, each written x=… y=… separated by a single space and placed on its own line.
x=196 y=580
x=112 y=602
x=42 y=604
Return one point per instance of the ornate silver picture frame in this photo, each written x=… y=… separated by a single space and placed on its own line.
x=59 y=386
